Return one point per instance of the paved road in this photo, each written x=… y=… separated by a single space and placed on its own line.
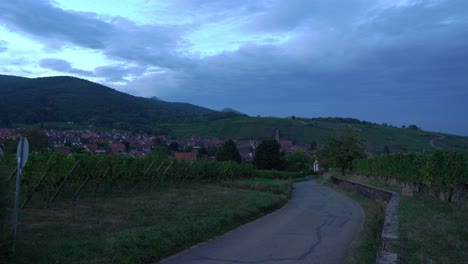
x=316 y=226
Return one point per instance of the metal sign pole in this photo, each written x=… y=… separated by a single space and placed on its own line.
x=22 y=156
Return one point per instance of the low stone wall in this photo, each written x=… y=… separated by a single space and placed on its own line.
x=390 y=229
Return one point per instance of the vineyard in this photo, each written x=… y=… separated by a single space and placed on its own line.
x=444 y=174
x=49 y=176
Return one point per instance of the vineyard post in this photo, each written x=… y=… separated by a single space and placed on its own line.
x=221 y=171
x=164 y=173
x=156 y=173
x=86 y=180
x=31 y=193
x=64 y=181
x=451 y=177
x=102 y=177
x=149 y=183
x=144 y=175
x=12 y=174
x=188 y=174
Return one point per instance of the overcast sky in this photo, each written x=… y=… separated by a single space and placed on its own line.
x=395 y=61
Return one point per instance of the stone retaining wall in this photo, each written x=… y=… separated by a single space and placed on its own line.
x=390 y=228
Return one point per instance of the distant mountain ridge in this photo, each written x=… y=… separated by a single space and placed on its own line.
x=63 y=99
x=230 y=110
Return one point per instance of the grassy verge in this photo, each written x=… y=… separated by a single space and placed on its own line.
x=282 y=187
x=364 y=248
x=431 y=231
x=274 y=174
x=138 y=228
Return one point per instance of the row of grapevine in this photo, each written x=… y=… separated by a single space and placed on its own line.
x=435 y=171
x=48 y=175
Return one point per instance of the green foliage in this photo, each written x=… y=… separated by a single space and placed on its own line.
x=299 y=161
x=341 y=151
x=268 y=156
x=37 y=140
x=123 y=173
x=229 y=151
x=437 y=169
x=160 y=152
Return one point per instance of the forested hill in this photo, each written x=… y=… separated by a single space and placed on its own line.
x=69 y=99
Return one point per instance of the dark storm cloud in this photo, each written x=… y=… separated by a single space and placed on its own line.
x=289 y=15
x=62 y=66
x=40 y=19
x=118 y=39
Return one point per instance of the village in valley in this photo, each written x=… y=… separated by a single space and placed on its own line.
x=140 y=145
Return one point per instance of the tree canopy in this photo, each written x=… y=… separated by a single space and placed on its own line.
x=298 y=160
x=229 y=151
x=341 y=151
x=268 y=156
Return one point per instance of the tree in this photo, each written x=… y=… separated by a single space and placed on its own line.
x=160 y=152
x=313 y=145
x=386 y=149
x=37 y=140
x=203 y=152
x=268 y=156
x=298 y=160
x=341 y=151
x=174 y=146
x=228 y=152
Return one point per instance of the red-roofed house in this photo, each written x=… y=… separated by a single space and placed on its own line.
x=286 y=144
x=91 y=147
x=216 y=142
x=185 y=156
x=117 y=148
x=7 y=134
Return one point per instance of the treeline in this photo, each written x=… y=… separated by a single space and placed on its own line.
x=439 y=172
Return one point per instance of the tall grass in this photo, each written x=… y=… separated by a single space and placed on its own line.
x=274 y=174
x=139 y=228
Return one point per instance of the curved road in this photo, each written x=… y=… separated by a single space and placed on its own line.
x=316 y=226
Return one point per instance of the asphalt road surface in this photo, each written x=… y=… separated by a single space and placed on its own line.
x=316 y=226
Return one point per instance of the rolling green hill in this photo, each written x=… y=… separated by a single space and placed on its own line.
x=304 y=131
x=56 y=101
x=69 y=99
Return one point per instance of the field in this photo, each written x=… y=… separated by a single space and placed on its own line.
x=304 y=131
x=142 y=228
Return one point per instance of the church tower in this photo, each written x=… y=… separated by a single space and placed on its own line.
x=277 y=136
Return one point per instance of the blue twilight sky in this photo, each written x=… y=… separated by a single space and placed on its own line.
x=395 y=61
